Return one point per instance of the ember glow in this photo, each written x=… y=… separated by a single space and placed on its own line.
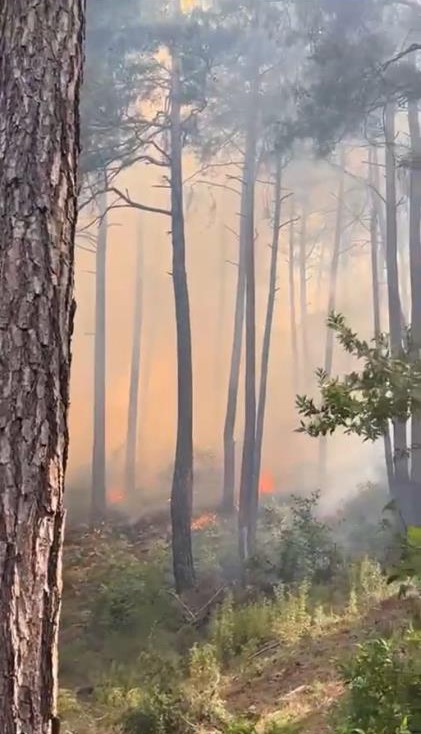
x=266 y=484
x=208 y=519
x=115 y=496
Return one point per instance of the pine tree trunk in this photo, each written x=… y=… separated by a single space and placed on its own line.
x=394 y=304
x=415 y=270
x=331 y=306
x=132 y=418
x=182 y=486
x=248 y=503
x=99 y=483
x=264 y=368
x=40 y=74
x=220 y=316
x=228 y=494
x=305 y=356
x=374 y=252
x=377 y=328
x=292 y=303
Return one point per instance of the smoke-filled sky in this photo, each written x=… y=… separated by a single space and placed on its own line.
x=212 y=254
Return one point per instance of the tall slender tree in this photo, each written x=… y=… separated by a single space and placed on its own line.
x=182 y=485
x=99 y=480
x=415 y=267
x=267 y=335
x=305 y=355
x=228 y=493
x=248 y=500
x=40 y=74
x=394 y=302
x=133 y=408
x=331 y=305
x=292 y=300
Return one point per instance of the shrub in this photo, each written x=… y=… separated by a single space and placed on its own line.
x=296 y=546
x=154 y=713
x=131 y=596
x=235 y=627
x=384 y=687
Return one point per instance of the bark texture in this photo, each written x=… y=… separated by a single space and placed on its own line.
x=40 y=73
x=99 y=481
x=182 y=485
x=132 y=416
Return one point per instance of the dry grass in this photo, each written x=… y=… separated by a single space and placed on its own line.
x=302 y=683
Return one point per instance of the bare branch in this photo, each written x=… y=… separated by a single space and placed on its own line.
x=409 y=50
x=136 y=204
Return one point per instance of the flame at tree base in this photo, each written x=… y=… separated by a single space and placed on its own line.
x=266 y=483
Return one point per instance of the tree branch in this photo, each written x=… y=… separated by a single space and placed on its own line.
x=402 y=54
x=130 y=203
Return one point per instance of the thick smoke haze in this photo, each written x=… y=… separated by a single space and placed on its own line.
x=212 y=256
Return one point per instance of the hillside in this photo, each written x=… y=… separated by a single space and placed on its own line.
x=223 y=658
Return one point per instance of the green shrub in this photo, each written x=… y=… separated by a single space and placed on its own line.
x=154 y=713
x=384 y=688
x=293 y=617
x=295 y=545
x=235 y=627
x=131 y=596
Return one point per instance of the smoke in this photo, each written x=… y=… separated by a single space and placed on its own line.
x=290 y=458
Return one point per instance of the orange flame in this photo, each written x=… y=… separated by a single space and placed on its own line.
x=115 y=496
x=266 y=484
x=204 y=521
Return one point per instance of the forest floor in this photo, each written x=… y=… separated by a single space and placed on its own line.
x=124 y=627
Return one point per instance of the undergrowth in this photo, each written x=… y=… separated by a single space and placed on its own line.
x=134 y=661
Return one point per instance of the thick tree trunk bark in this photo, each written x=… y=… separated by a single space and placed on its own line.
x=133 y=410
x=292 y=303
x=40 y=73
x=331 y=306
x=395 y=327
x=248 y=501
x=228 y=494
x=264 y=367
x=99 y=482
x=182 y=486
x=415 y=270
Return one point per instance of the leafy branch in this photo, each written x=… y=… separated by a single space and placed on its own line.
x=362 y=402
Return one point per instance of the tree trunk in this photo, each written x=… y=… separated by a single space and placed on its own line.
x=182 y=486
x=305 y=357
x=399 y=427
x=292 y=302
x=40 y=74
x=132 y=419
x=377 y=328
x=264 y=368
x=228 y=496
x=99 y=483
x=331 y=306
x=248 y=501
x=220 y=316
x=415 y=270
x=374 y=252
